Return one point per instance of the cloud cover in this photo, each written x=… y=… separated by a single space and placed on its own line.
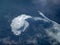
x=19 y=21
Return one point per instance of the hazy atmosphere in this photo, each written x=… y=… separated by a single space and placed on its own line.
x=40 y=24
